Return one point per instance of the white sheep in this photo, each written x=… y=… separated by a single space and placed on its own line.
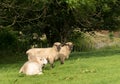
x=65 y=51
x=33 y=67
x=51 y=53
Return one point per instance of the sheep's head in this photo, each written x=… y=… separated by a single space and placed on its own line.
x=41 y=60
x=70 y=45
x=58 y=46
x=44 y=60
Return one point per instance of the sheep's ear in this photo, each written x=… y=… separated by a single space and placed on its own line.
x=67 y=44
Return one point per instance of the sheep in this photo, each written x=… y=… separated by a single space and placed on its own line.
x=33 y=67
x=51 y=53
x=65 y=51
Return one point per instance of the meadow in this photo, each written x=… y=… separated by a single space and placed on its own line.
x=95 y=67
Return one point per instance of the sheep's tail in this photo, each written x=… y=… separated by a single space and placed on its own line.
x=28 y=52
x=21 y=70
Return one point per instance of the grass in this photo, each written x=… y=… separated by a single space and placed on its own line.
x=96 y=67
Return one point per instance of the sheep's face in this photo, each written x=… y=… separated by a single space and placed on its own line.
x=44 y=61
x=57 y=45
x=41 y=60
x=70 y=45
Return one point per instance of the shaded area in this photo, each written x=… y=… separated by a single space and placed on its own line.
x=96 y=53
x=10 y=57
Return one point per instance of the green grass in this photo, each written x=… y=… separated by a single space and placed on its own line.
x=97 y=67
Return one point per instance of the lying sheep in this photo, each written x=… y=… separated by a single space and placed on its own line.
x=33 y=67
x=65 y=51
x=51 y=53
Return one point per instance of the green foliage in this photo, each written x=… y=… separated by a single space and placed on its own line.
x=7 y=39
x=10 y=41
x=82 y=41
x=58 y=18
x=111 y=35
x=94 y=40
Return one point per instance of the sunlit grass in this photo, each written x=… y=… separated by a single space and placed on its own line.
x=97 y=67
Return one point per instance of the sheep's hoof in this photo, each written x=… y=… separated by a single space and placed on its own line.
x=52 y=66
x=62 y=62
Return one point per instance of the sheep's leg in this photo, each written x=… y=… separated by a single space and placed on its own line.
x=62 y=60
x=52 y=66
x=51 y=61
x=21 y=69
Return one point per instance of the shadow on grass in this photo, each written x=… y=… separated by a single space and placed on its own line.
x=9 y=57
x=96 y=53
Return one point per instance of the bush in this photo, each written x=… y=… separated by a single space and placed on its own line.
x=7 y=39
x=82 y=41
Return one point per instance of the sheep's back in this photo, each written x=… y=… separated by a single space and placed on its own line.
x=31 y=68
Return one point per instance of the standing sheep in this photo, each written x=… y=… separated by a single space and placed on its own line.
x=51 y=53
x=33 y=67
x=65 y=51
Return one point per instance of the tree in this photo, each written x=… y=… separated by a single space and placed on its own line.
x=58 y=18
x=94 y=15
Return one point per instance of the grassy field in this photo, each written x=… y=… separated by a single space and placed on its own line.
x=96 y=67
